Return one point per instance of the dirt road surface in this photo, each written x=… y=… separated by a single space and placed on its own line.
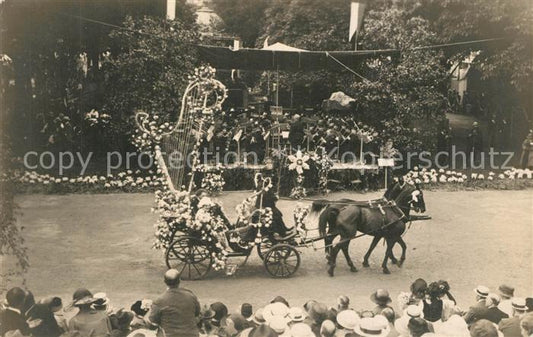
x=103 y=242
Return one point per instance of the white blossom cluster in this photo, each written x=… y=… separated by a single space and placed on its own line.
x=425 y=176
x=123 y=180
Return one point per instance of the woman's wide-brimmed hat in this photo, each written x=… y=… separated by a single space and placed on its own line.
x=381 y=296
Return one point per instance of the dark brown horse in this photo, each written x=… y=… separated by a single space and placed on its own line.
x=379 y=218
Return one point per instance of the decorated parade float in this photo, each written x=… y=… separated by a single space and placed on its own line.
x=192 y=227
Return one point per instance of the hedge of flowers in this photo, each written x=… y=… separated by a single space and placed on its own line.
x=458 y=178
x=128 y=181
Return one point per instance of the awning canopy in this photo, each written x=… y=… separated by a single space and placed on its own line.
x=290 y=60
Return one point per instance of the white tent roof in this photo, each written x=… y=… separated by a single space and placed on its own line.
x=278 y=46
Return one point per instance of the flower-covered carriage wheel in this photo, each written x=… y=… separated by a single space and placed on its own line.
x=191 y=256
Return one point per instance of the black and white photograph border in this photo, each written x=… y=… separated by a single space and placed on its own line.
x=241 y=168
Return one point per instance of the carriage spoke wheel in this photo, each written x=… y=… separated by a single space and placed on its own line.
x=282 y=261
x=264 y=247
x=190 y=256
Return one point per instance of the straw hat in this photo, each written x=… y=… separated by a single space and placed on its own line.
x=301 y=330
x=482 y=291
x=348 y=319
x=296 y=314
x=371 y=327
x=275 y=309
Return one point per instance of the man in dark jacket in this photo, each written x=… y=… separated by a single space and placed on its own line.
x=492 y=313
x=176 y=311
x=12 y=318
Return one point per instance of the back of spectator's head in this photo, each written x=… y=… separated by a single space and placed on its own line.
x=483 y=328
x=123 y=319
x=220 y=310
x=172 y=278
x=318 y=312
x=492 y=300
x=246 y=310
x=15 y=297
x=506 y=291
x=389 y=314
x=308 y=305
x=327 y=329
x=239 y=322
x=263 y=330
x=419 y=286
x=417 y=327
x=343 y=302
x=81 y=293
x=280 y=299
x=526 y=324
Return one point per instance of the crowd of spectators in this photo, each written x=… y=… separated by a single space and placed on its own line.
x=426 y=310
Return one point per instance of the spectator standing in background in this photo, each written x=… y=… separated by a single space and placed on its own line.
x=296 y=132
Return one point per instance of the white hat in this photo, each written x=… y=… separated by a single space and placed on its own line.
x=348 y=319
x=414 y=311
x=301 y=330
x=371 y=327
x=482 y=291
x=296 y=314
x=519 y=303
x=278 y=324
x=455 y=326
x=275 y=309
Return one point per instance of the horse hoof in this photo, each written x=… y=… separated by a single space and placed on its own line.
x=386 y=271
x=400 y=263
x=365 y=264
x=330 y=272
x=353 y=269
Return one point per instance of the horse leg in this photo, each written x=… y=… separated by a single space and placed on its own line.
x=370 y=249
x=345 y=246
x=388 y=253
x=404 y=248
x=393 y=259
x=333 y=259
x=328 y=240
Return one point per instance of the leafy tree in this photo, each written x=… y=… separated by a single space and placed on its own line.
x=403 y=98
x=147 y=67
x=244 y=19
